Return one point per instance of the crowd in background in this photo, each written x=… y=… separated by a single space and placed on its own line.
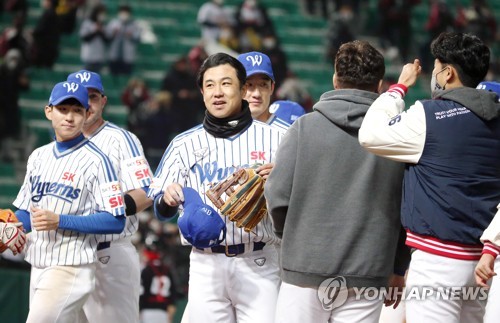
x=157 y=115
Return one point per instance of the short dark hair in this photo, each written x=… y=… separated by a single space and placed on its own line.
x=221 y=59
x=359 y=65
x=466 y=53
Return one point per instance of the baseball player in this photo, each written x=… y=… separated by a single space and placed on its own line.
x=239 y=280
x=69 y=198
x=489 y=264
x=260 y=87
x=451 y=147
x=116 y=296
x=286 y=110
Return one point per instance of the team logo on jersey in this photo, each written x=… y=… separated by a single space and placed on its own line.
x=84 y=77
x=260 y=261
x=200 y=153
x=62 y=191
x=72 y=87
x=104 y=260
x=67 y=176
x=256 y=59
x=257 y=155
x=273 y=107
x=211 y=172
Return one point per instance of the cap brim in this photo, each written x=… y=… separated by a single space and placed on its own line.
x=253 y=72
x=69 y=96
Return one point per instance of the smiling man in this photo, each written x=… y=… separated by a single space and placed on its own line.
x=239 y=279
x=69 y=198
x=260 y=88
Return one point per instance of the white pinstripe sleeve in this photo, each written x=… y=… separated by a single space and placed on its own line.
x=108 y=193
x=389 y=132
x=135 y=170
x=492 y=232
x=169 y=170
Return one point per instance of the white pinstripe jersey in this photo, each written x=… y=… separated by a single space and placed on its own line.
x=126 y=153
x=78 y=181
x=198 y=160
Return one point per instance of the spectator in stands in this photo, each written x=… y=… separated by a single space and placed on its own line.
x=156 y=124
x=93 y=39
x=272 y=48
x=440 y=20
x=135 y=93
x=395 y=27
x=196 y=56
x=478 y=19
x=312 y=4
x=46 y=37
x=124 y=34
x=15 y=37
x=252 y=25
x=294 y=90
x=181 y=82
x=66 y=11
x=211 y=18
x=157 y=300
x=341 y=30
x=13 y=80
x=15 y=7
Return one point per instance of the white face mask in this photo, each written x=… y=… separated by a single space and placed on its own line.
x=434 y=84
x=124 y=16
x=101 y=17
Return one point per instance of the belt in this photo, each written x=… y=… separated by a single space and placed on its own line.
x=103 y=245
x=236 y=249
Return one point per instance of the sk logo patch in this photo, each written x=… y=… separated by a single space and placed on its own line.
x=260 y=261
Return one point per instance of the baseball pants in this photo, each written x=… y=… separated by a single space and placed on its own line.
x=117 y=286
x=302 y=305
x=57 y=293
x=436 y=272
x=243 y=288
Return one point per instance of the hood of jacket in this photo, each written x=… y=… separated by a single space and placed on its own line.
x=346 y=108
x=483 y=103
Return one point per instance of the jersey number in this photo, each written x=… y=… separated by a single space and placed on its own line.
x=160 y=286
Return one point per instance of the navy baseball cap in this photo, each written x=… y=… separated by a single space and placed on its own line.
x=69 y=90
x=200 y=224
x=88 y=79
x=286 y=110
x=255 y=63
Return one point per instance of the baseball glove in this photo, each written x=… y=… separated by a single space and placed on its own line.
x=241 y=198
x=7 y=216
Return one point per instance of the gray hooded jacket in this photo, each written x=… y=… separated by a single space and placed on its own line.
x=336 y=206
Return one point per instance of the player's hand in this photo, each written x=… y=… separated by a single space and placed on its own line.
x=484 y=270
x=264 y=170
x=396 y=285
x=44 y=220
x=410 y=73
x=173 y=195
x=12 y=236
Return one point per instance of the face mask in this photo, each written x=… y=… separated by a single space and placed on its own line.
x=101 y=17
x=124 y=16
x=11 y=64
x=434 y=84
